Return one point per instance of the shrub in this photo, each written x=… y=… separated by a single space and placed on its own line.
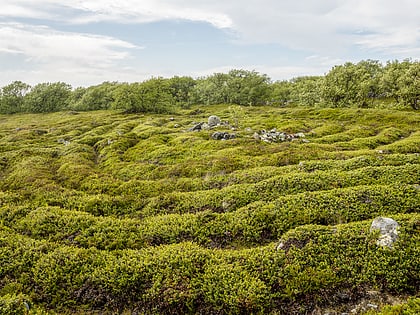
x=14 y=304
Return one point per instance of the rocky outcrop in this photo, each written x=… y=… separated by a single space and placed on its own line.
x=388 y=231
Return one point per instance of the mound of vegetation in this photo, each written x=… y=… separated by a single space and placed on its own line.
x=109 y=212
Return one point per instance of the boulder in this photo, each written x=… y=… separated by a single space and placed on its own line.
x=214 y=121
x=388 y=231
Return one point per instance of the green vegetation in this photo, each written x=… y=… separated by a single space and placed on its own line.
x=412 y=307
x=117 y=212
x=367 y=84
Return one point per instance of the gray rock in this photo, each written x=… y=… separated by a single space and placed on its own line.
x=371 y=305
x=277 y=136
x=196 y=127
x=205 y=126
x=222 y=135
x=280 y=246
x=214 y=121
x=388 y=231
x=40 y=132
x=64 y=141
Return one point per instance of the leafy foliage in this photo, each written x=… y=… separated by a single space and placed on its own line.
x=151 y=96
x=366 y=84
x=12 y=97
x=48 y=97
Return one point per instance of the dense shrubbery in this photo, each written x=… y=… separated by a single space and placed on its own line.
x=317 y=262
x=13 y=304
x=412 y=307
x=105 y=212
x=257 y=223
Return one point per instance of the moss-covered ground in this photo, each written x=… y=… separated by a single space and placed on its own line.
x=105 y=213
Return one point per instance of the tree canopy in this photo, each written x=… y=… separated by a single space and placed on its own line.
x=361 y=85
x=48 y=97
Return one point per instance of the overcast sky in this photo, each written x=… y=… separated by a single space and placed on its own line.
x=87 y=42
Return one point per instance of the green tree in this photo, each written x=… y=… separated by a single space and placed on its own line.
x=352 y=85
x=12 y=97
x=76 y=97
x=48 y=97
x=94 y=97
x=151 y=96
x=247 y=87
x=280 y=92
x=306 y=91
x=240 y=87
x=400 y=81
x=410 y=86
x=390 y=80
x=181 y=90
x=211 y=90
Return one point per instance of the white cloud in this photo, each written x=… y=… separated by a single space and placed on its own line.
x=150 y=11
x=43 y=43
x=62 y=54
x=17 y=9
x=305 y=25
x=124 y=11
x=327 y=32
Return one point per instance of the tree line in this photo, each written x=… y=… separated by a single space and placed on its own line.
x=364 y=85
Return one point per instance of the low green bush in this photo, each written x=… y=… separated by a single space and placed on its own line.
x=257 y=223
x=14 y=305
x=347 y=135
x=236 y=196
x=411 y=307
x=104 y=212
x=314 y=264
x=410 y=144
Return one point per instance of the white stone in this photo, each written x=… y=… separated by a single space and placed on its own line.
x=214 y=121
x=388 y=231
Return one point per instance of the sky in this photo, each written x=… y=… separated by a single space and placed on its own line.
x=85 y=43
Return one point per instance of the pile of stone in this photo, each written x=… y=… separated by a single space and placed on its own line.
x=212 y=121
x=278 y=136
x=64 y=141
x=218 y=135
